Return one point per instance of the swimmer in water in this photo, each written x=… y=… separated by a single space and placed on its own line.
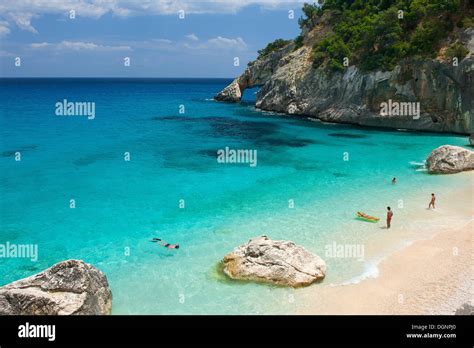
x=164 y=244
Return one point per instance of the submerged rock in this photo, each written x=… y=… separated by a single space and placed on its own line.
x=449 y=159
x=69 y=287
x=280 y=262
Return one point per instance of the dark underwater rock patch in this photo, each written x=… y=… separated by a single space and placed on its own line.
x=348 y=135
x=287 y=142
x=9 y=153
x=92 y=158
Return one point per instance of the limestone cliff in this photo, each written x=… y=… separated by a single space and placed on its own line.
x=291 y=84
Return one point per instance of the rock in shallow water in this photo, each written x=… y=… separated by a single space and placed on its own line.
x=449 y=159
x=232 y=93
x=279 y=262
x=69 y=287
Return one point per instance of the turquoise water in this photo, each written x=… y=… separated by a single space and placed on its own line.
x=121 y=205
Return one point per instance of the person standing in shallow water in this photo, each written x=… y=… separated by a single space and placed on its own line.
x=432 y=202
x=389 y=216
x=394 y=181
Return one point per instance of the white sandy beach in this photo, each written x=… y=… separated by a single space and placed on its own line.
x=432 y=275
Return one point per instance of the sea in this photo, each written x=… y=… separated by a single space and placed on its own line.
x=100 y=188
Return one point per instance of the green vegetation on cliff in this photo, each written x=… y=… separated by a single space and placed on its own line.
x=273 y=46
x=456 y=50
x=377 y=34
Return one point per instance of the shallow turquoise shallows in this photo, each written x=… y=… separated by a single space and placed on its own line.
x=121 y=205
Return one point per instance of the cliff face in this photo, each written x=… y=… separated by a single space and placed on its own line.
x=289 y=84
x=257 y=73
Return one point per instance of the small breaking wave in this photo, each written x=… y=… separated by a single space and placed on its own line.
x=371 y=270
x=414 y=163
x=420 y=166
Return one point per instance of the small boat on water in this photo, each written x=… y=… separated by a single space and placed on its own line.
x=366 y=217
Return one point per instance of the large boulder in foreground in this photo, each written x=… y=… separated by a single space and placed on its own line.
x=274 y=261
x=449 y=159
x=69 y=287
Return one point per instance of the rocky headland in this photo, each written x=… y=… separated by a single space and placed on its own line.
x=292 y=81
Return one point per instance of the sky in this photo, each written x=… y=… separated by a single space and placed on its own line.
x=161 y=38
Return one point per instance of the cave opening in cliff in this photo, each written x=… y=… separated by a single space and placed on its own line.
x=249 y=95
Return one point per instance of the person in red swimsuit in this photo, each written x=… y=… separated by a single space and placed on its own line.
x=389 y=216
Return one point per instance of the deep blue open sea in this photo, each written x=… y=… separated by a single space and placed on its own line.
x=121 y=205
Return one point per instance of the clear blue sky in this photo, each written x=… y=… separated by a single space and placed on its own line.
x=158 y=42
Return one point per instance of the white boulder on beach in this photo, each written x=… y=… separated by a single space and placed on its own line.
x=448 y=159
x=274 y=261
